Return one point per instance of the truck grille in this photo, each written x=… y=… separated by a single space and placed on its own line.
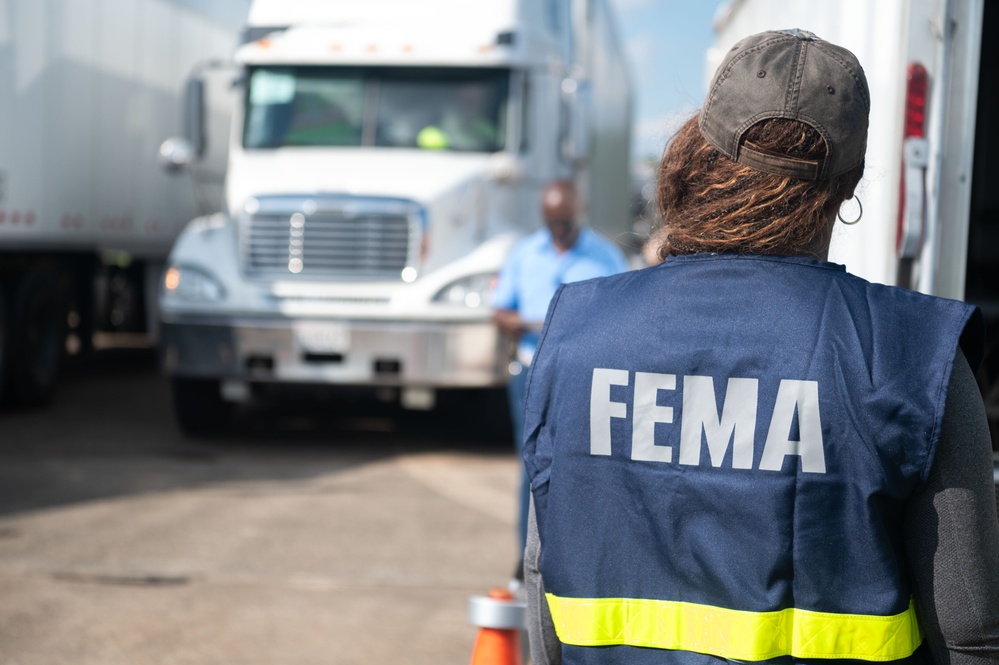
x=288 y=236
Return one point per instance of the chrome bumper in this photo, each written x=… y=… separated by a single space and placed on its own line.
x=375 y=353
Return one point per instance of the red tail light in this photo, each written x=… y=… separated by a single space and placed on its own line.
x=915 y=101
x=916 y=88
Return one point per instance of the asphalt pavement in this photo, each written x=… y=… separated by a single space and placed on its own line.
x=311 y=533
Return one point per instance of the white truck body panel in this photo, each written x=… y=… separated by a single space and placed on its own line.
x=944 y=36
x=88 y=90
x=386 y=13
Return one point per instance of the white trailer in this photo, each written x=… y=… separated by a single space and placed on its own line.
x=930 y=204
x=384 y=158
x=87 y=90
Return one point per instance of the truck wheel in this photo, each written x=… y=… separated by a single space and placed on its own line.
x=480 y=413
x=3 y=341
x=199 y=408
x=36 y=339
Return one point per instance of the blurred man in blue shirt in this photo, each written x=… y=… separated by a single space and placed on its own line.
x=561 y=252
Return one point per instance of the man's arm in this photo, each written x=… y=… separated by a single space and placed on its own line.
x=509 y=321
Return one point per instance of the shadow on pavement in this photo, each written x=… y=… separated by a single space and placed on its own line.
x=110 y=432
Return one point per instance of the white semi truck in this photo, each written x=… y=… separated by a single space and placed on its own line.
x=384 y=158
x=87 y=90
x=930 y=201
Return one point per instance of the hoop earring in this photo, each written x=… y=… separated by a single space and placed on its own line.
x=860 y=205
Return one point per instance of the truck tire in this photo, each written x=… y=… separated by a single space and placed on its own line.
x=199 y=408
x=35 y=340
x=3 y=342
x=482 y=414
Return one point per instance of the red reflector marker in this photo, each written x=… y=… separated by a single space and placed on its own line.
x=914 y=125
x=915 y=101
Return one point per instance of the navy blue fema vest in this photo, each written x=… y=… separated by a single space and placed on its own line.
x=720 y=449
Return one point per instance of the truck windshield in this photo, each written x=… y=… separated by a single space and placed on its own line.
x=461 y=109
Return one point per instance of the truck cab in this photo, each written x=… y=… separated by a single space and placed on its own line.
x=383 y=161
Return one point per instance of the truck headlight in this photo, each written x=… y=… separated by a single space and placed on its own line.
x=191 y=284
x=472 y=291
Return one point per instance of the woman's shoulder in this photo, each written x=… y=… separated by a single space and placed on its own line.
x=906 y=299
x=607 y=293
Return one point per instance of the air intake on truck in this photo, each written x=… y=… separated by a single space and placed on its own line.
x=324 y=236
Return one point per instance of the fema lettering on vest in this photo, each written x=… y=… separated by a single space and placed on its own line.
x=701 y=424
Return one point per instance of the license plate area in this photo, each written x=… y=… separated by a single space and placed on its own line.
x=322 y=338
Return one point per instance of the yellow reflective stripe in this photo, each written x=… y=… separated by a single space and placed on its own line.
x=734 y=634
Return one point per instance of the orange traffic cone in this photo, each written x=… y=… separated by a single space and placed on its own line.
x=500 y=619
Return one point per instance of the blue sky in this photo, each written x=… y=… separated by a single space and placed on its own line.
x=666 y=41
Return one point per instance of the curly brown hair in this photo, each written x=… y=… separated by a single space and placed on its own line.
x=710 y=203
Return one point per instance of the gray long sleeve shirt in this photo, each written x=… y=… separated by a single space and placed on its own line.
x=952 y=542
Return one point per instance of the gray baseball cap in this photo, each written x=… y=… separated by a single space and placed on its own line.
x=789 y=74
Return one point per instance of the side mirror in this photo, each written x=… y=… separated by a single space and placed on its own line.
x=176 y=154
x=194 y=115
x=577 y=96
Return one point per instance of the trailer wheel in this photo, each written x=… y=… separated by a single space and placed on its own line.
x=199 y=408
x=36 y=339
x=3 y=341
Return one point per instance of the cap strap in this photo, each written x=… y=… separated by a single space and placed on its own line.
x=806 y=169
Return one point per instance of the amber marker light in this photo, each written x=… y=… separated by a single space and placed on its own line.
x=171 y=280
